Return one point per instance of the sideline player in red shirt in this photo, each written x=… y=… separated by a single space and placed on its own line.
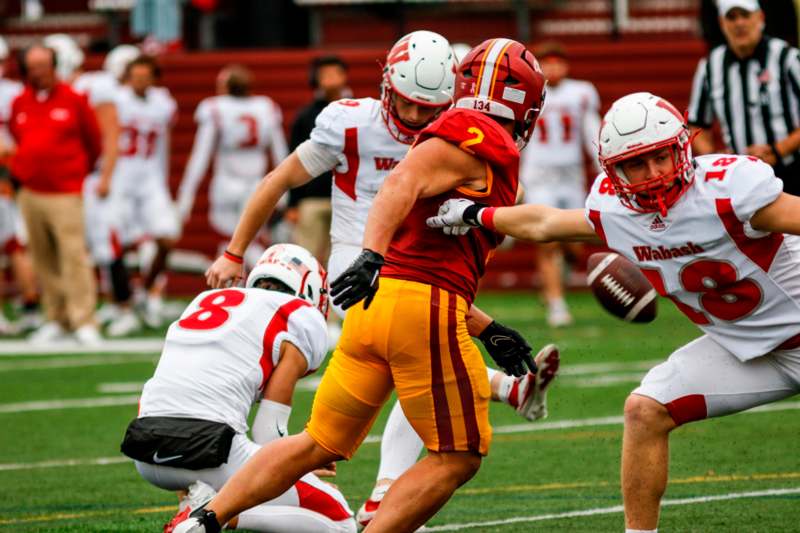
x=415 y=334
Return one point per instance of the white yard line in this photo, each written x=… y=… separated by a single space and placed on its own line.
x=99 y=461
x=74 y=403
x=132 y=345
x=607 y=380
x=615 y=509
x=75 y=362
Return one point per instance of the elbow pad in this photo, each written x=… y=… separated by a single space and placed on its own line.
x=316 y=158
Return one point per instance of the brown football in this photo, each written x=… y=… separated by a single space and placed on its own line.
x=620 y=287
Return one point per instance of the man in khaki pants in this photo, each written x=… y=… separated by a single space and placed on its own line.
x=58 y=142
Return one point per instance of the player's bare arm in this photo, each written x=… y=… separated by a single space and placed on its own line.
x=431 y=168
x=290 y=173
x=291 y=366
x=529 y=222
x=106 y=114
x=272 y=418
x=781 y=216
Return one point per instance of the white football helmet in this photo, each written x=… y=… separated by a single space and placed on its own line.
x=461 y=50
x=421 y=68
x=69 y=56
x=295 y=267
x=636 y=124
x=118 y=59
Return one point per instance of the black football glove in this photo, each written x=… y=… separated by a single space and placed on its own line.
x=359 y=281
x=508 y=349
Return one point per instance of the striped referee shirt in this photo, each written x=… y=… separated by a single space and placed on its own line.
x=756 y=100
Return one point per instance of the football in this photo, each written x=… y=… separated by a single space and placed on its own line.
x=621 y=288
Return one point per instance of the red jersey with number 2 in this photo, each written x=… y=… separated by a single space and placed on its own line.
x=739 y=285
x=427 y=255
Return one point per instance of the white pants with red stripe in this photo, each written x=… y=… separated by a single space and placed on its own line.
x=309 y=506
x=702 y=379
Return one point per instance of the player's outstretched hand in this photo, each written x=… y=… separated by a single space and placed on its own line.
x=359 y=281
x=223 y=273
x=508 y=349
x=456 y=216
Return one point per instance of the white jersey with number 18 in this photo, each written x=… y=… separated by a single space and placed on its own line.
x=739 y=285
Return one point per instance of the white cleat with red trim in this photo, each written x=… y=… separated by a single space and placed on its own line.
x=367 y=511
x=529 y=393
x=198 y=496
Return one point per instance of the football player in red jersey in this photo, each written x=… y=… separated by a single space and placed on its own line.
x=428 y=285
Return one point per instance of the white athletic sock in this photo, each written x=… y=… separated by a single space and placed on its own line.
x=504 y=391
x=557 y=305
x=400 y=445
x=641 y=530
x=290 y=519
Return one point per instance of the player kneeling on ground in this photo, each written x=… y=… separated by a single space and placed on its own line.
x=229 y=348
x=717 y=236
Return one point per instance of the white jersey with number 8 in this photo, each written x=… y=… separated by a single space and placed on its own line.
x=220 y=353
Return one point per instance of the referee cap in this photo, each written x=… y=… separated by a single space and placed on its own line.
x=726 y=5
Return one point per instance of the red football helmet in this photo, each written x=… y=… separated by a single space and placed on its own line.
x=501 y=77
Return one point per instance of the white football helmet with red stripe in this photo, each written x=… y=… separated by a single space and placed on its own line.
x=420 y=67
x=636 y=124
x=502 y=78
x=298 y=269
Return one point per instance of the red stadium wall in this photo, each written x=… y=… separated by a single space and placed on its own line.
x=616 y=68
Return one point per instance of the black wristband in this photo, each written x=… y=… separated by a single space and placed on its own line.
x=471 y=214
x=487 y=332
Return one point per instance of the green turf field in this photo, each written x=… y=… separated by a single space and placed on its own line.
x=60 y=469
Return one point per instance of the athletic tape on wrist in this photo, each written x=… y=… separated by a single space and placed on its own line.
x=486 y=217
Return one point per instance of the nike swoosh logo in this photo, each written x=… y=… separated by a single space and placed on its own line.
x=497 y=339
x=160 y=460
x=280 y=433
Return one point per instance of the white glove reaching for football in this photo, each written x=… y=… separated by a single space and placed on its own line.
x=451 y=217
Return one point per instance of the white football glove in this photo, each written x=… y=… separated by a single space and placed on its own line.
x=451 y=217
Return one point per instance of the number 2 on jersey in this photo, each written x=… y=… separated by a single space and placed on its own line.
x=213 y=310
x=477 y=139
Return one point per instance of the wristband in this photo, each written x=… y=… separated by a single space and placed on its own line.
x=230 y=256
x=486 y=218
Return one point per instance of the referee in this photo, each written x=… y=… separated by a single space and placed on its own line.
x=751 y=85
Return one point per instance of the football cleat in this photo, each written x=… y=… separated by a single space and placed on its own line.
x=367 y=511
x=199 y=521
x=532 y=388
x=49 y=332
x=152 y=312
x=107 y=312
x=559 y=317
x=126 y=323
x=191 y=511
